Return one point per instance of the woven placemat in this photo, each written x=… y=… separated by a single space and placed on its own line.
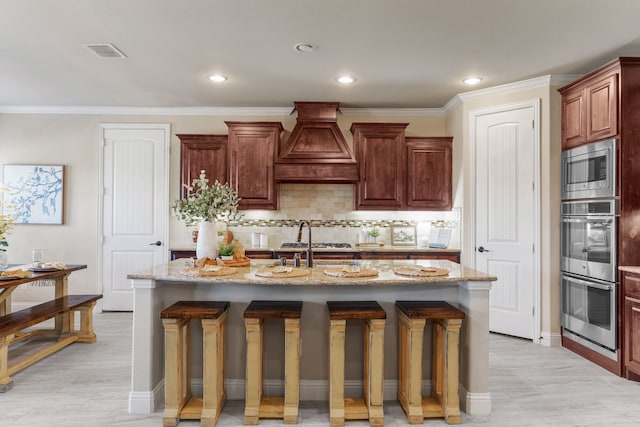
x=418 y=271
x=349 y=272
x=282 y=272
x=209 y=271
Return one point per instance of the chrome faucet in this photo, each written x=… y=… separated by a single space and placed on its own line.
x=299 y=239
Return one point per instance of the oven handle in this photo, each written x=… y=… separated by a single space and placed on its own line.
x=587 y=283
x=587 y=219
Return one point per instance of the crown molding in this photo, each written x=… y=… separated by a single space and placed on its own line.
x=542 y=81
x=206 y=111
x=392 y=111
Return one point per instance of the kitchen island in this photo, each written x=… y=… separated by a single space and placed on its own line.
x=165 y=284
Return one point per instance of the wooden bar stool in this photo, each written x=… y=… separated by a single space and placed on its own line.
x=256 y=405
x=179 y=403
x=369 y=407
x=444 y=400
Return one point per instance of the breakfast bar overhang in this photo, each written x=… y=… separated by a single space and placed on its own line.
x=166 y=284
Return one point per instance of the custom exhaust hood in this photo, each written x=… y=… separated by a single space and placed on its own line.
x=316 y=150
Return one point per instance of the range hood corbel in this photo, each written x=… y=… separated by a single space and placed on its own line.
x=316 y=151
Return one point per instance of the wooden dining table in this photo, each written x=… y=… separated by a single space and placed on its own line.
x=37 y=343
x=59 y=276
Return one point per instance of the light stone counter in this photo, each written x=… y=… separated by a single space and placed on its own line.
x=164 y=285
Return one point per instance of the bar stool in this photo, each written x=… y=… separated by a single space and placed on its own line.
x=369 y=407
x=179 y=403
x=444 y=400
x=256 y=405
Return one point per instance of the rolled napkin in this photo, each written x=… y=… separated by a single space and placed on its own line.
x=15 y=272
x=54 y=265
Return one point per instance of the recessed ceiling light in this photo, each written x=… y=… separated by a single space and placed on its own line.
x=304 y=47
x=345 y=80
x=218 y=78
x=472 y=80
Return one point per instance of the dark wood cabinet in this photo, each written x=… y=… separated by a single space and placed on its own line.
x=380 y=152
x=631 y=324
x=202 y=152
x=429 y=173
x=590 y=108
x=253 y=148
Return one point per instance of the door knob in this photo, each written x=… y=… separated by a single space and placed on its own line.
x=481 y=249
x=156 y=243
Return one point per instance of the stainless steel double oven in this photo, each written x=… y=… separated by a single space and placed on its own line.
x=588 y=248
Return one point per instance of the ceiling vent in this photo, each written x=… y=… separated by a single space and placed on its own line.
x=316 y=150
x=105 y=50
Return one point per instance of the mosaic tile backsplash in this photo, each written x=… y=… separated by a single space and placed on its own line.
x=329 y=210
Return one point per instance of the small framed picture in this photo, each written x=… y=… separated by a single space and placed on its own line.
x=35 y=193
x=403 y=236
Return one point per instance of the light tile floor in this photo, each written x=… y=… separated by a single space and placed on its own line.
x=530 y=385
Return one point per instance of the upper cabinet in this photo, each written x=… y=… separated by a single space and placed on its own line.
x=253 y=148
x=590 y=109
x=202 y=152
x=379 y=150
x=398 y=172
x=429 y=173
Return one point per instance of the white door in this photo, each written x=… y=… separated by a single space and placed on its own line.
x=505 y=226
x=135 y=206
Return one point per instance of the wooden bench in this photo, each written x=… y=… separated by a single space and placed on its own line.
x=12 y=325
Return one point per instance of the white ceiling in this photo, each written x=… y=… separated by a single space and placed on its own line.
x=403 y=53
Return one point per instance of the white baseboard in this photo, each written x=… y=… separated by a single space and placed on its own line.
x=548 y=339
x=310 y=390
x=475 y=403
x=146 y=402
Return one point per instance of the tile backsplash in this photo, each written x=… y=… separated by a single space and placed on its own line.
x=329 y=209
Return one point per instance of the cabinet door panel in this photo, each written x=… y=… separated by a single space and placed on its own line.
x=602 y=108
x=573 y=119
x=202 y=152
x=632 y=335
x=381 y=157
x=429 y=173
x=253 y=151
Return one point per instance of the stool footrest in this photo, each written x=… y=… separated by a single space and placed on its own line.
x=192 y=410
x=355 y=409
x=272 y=407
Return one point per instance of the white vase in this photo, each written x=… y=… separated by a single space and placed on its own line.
x=207 y=244
x=3 y=259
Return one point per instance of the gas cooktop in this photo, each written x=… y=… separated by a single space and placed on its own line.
x=316 y=245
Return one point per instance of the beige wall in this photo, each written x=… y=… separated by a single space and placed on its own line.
x=458 y=125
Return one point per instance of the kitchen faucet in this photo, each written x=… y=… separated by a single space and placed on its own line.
x=299 y=239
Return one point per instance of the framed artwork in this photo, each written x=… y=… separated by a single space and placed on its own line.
x=36 y=193
x=403 y=236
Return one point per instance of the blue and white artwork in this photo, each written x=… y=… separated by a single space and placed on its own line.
x=35 y=195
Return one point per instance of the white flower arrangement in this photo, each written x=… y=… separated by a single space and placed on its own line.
x=207 y=202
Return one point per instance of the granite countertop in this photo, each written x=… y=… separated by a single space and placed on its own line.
x=172 y=272
x=365 y=248
x=630 y=268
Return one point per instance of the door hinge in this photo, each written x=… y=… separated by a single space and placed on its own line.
x=533 y=248
x=533 y=311
x=533 y=124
